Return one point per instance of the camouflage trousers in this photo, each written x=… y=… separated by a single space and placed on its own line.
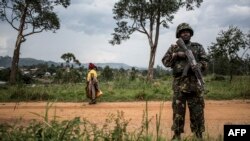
x=195 y=104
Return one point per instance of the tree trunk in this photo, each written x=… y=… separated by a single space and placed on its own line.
x=15 y=58
x=231 y=73
x=153 y=47
x=151 y=64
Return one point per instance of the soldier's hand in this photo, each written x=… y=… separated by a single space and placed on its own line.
x=179 y=54
x=174 y=55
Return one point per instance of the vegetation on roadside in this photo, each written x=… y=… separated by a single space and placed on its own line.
x=125 y=90
x=115 y=128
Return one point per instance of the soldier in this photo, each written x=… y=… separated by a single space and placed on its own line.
x=185 y=87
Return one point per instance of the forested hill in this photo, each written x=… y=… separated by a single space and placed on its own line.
x=6 y=62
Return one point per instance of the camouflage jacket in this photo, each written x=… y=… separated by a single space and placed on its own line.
x=178 y=64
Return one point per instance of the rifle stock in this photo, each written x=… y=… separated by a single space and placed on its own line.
x=193 y=63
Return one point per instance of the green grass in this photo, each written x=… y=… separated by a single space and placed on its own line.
x=225 y=90
x=125 y=90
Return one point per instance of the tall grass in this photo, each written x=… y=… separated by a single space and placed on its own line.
x=226 y=90
x=126 y=90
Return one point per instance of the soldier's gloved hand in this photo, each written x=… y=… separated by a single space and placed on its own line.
x=179 y=54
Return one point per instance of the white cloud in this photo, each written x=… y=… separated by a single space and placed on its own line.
x=238 y=10
x=91 y=17
x=86 y=28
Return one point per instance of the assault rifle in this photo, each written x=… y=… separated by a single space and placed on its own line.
x=192 y=63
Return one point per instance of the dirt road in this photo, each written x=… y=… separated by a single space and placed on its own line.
x=217 y=113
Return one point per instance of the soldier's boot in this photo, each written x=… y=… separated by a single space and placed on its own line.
x=177 y=136
x=93 y=101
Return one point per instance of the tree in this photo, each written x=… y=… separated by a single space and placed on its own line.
x=159 y=72
x=107 y=73
x=247 y=59
x=28 y=17
x=133 y=73
x=227 y=50
x=69 y=57
x=146 y=16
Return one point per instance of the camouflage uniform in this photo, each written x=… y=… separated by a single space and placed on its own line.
x=185 y=87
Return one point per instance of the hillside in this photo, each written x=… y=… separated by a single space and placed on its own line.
x=6 y=62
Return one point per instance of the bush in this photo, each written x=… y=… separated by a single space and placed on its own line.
x=73 y=76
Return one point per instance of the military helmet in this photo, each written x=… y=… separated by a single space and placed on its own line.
x=183 y=26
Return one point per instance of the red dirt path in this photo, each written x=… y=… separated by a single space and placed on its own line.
x=217 y=113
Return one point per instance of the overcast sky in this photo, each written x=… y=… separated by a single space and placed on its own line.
x=86 y=27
